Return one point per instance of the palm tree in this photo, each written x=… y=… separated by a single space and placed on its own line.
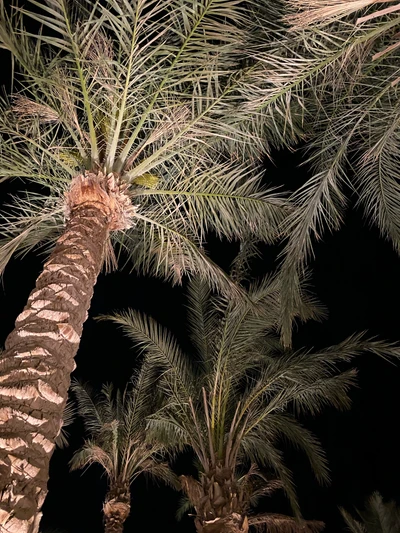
x=378 y=517
x=347 y=54
x=234 y=396
x=115 y=424
x=127 y=118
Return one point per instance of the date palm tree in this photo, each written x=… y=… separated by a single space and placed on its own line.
x=116 y=439
x=378 y=517
x=347 y=54
x=127 y=118
x=234 y=396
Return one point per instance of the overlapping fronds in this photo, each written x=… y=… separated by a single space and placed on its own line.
x=378 y=517
x=35 y=221
x=175 y=216
x=153 y=91
x=319 y=11
x=239 y=394
x=115 y=426
x=161 y=348
x=346 y=55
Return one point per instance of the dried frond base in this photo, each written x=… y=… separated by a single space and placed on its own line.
x=234 y=523
x=96 y=188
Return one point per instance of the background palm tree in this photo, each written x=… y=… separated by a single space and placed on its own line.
x=128 y=119
x=346 y=54
x=115 y=425
x=378 y=517
x=235 y=395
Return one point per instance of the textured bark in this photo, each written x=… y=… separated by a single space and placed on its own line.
x=116 y=508
x=218 y=501
x=39 y=353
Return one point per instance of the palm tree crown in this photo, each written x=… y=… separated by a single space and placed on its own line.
x=116 y=439
x=148 y=93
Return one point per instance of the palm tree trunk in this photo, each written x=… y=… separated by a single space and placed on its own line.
x=116 y=508
x=39 y=353
x=218 y=501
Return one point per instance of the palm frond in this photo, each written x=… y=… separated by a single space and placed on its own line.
x=159 y=471
x=69 y=415
x=202 y=319
x=288 y=428
x=160 y=346
x=91 y=454
x=184 y=506
x=377 y=179
x=34 y=223
x=348 y=98
x=261 y=451
x=164 y=251
x=276 y=523
x=353 y=525
x=240 y=267
x=86 y=407
x=154 y=89
x=378 y=516
x=317 y=11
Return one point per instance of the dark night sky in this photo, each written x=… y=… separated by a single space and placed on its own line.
x=356 y=275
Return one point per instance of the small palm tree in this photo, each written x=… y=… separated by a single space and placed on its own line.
x=346 y=52
x=378 y=517
x=235 y=396
x=115 y=425
x=128 y=117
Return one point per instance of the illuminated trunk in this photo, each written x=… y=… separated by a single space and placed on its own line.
x=218 y=502
x=39 y=353
x=116 y=508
